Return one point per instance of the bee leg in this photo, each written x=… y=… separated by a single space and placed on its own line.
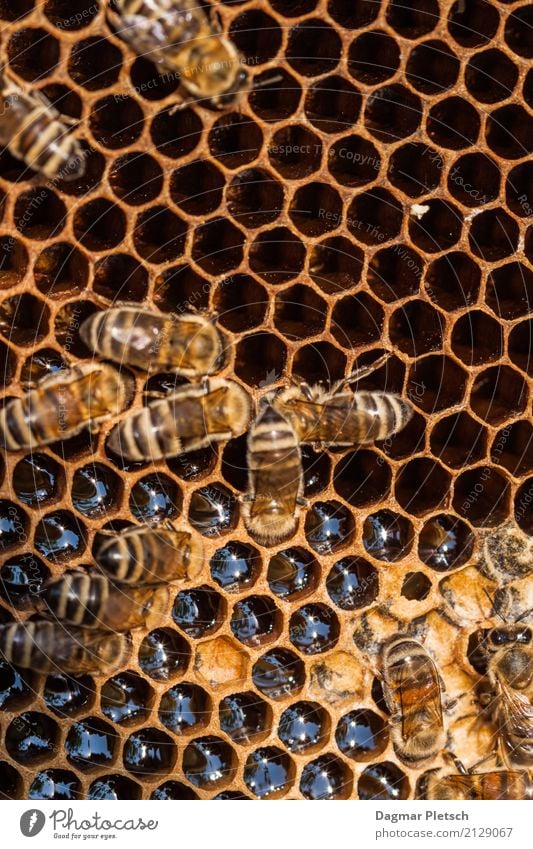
x=460 y=767
x=361 y=372
x=216 y=19
x=493 y=754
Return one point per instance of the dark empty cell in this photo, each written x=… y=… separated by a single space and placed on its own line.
x=256 y=621
x=32 y=738
x=415 y=169
x=520 y=346
x=278 y=673
x=149 y=83
x=275 y=96
x=234 y=468
x=512 y=448
x=68 y=320
x=498 y=394
x=509 y=132
x=413 y=19
x=217 y=246
x=185 y=708
x=482 y=496
x=176 y=133
x=68 y=696
x=493 y=235
x=114 y=787
x=209 y=762
x=94 y=63
x=304 y=727
x=254 y=198
x=458 y=440
x=362 y=478
x=416 y=586
x=375 y=216
x=198 y=611
x=328 y=777
x=244 y=717
x=335 y=264
x=32 y=53
x=164 y=654
x=510 y=290
x=445 y=543
x=13 y=525
x=354 y=161
x=40 y=364
x=387 y=536
x=37 y=479
x=70 y=15
x=473 y=22
x=373 y=57
x=453 y=281
x=352 y=583
x=59 y=536
x=416 y=328
x=432 y=67
x=299 y=312
x=474 y=179
x=197 y=187
x=7 y=364
x=13 y=261
x=236 y=566
x=234 y=139
x=55 y=784
x=61 y=270
x=277 y=255
x=269 y=773
x=96 y=490
x=173 y=790
x=15 y=690
x=523 y=512
x=332 y=105
x=315 y=209
x=256 y=35
x=21 y=580
x=85 y=443
x=477 y=338
x=14 y=10
x=179 y=288
x=120 y=277
x=438 y=229
x=149 y=752
x=519 y=190
x=319 y=361
x=260 y=357
x=353 y=14
x=394 y=273
x=422 y=485
x=116 y=122
x=316 y=470
x=314 y=48
x=213 y=510
x=490 y=76
x=39 y=214
x=453 y=123
x=357 y=320
x=136 y=178
x=155 y=498
x=240 y=302
x=392 y=112
x=159 y=235
x=329 y=527
x=126 y=698
x=294 y=152
x=99 y=225
x=383 y=782
x=66 y=101
x=293 y=574
x=517 y=33
x=194 y=465
x=24 y=319
x=362 y=735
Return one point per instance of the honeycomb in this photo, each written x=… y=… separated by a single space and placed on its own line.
x=373 y=193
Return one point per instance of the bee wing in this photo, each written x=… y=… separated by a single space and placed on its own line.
x=517 y=711
x=335 y=421
x=427 y=711
x=11 y=116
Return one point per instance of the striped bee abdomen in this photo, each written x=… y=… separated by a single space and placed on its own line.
x=149 y=555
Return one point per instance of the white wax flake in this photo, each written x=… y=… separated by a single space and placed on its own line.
x=418 y=210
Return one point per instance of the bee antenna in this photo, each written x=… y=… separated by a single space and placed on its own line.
x=496 y=612
x=277 y=78
x=523 y=615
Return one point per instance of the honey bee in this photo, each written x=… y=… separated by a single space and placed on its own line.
x=62 y=405
x=179 y=37
x=467 y=785
x=505 y=692
x=48 y=647
x=513 y=598
x=186 y=420
x=35 y=132
x=341 y=417
x=506 y=554
x=275 y=478
x=189 y=345
x=92 y=601
x=142 y=555
x=412 y=692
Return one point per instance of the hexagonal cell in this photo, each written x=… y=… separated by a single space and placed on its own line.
x=13 y=525
x=154 y=499
x=299 y=312
x=185 y=708
x=362 y=56
x=221 y=662
x=383 y=781
x=498 y=394
x=218 y=246
x=445 y=543
x=120 y=277
x=304 y=727
x=314 y=628
x=235 y=139
x=453 y=123
x=453 y=281
x=508 y=131
x=510 y=290
x=357 y=320
x=518 y=190
x=294 y=152
x=67 y=696
x=490 y=76
x=392 y=113
x=335 y=264
x=199 y=611
x=260 y=358
x=90 y=744
x=482 y=495
x=22 y=578
x=436 y=383
x=277 y=255
x=395 y=273
x=235 y=566
x=459 y=440
x=362 y=478
x=96 y=490
x=24 y=319
x=94 y=63
x=39 y=364
x=197 y=187
x=209 y=762
x=387 y=536
x=16 y=688
x=293 y=573
x=99 y=225
x=256 y=620
x=245 y=718
x=422 y=485
x=117 y=122
x=257 y=36
x=352 y=583
x=477 y=338
x=213 y=510
x=126 y=698
x=32 y=53
x=136 y=178
x=362 y=735
x=415 y=169
x=11 y=781
x=315 y=209
x=279 y=673
x=313 y=48
x=68 y=320
x=13 y=261
x=31 y=738
x=416 y=328
x=254 y=198
x=38 y=479
x=114 y=787
x=327 y=777
x=269 y=772
x=493 y=235
x=179 y=288
x=416 y=586
x=329 y=526
x=275 y=95
x=149 y=752
x=164 y=654
x=15 y=10
x=39 y=214
x=241 y=303
x=512 y=448
x=61 y=270
x=319 y=362
x=70 y=15
x=55 y=784
x=159 y=235
x=432 y=67
x=354 y=161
